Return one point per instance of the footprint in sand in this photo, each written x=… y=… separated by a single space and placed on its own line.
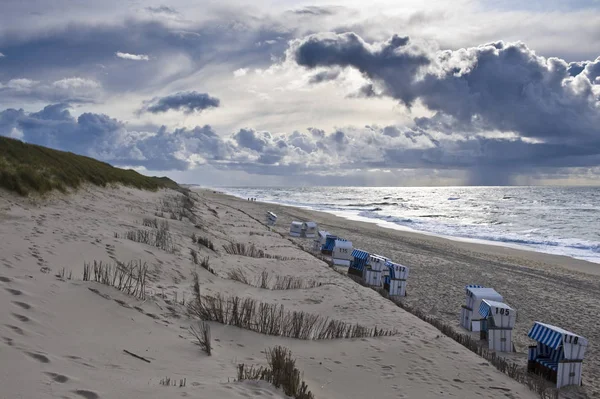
x=5 y=279
x=122 y=303
x=16 y=329
x=79 y=360
x=14 y=292
x=57 y=377
x=23 y=305
x=39 y=357
x=95 y=291
x=20 y=317
x=86 y=394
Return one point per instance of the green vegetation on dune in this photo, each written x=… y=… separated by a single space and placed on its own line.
x=26 y=168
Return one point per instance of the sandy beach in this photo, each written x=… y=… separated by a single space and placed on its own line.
x=64 y=337
x=554 y=289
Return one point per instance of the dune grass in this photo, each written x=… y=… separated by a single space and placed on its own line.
x=267 y=281
x=202 y=336
x=159 y=238
x=129 y=278
x=273 y=319
x=28 y=168
x=205 y=242
x=250 y=251
x=281 y=372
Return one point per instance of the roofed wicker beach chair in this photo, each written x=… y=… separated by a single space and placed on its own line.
x=395 y=281
x=469 y=313
x=359 y=262
x=497 y=323
x=558 y=355
x=342 y=252
x=296 y=229
x=327 y=247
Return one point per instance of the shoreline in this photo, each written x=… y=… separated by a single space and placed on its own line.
x=566 y=261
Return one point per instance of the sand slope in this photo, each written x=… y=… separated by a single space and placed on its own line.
x=552 y=289
x=65 y=338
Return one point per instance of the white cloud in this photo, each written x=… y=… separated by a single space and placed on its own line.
x=133 y=57
x=240 y=72
x=74 y=89
x=1 y=55
x=21 y=85
x=76 y=83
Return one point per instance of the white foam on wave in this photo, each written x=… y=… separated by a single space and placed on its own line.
x=588 y=252
x=452 y=223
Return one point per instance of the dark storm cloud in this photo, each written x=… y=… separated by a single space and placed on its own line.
x=187 y=101
x=391 y=60
x=367 y=91
x=501 y=86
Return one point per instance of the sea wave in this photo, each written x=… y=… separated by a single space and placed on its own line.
x=553 y=220
x=374 y=204
x=460 y=232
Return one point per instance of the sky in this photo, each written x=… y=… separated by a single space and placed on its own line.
x=279 y=93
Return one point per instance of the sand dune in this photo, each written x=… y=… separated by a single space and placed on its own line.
x=62 y=337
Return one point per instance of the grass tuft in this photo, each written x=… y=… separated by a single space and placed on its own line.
x=178 y=207
x=172 y=382
x=273 y=319
x=205 y=265
x=63 y=275
x=127 y=277
x=279 y=282
x=250 y=251
x=281 y=372
x=202 y=336
x=28 y=168
x=160 y=238
x=194 y=256
x=205 y=242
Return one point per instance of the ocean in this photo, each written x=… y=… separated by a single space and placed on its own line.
x=555 y=220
